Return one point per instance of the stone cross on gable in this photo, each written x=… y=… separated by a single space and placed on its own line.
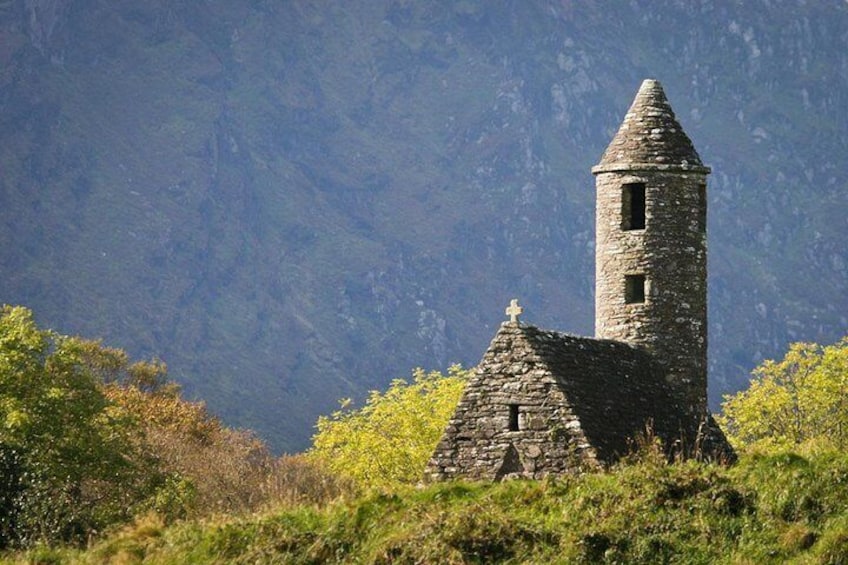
x=514 y=310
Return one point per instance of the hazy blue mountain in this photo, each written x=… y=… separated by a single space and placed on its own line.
x=296 y=201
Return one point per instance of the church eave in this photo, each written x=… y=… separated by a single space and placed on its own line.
x=633 y=167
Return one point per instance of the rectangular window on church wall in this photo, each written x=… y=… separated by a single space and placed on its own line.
x=513 y=417
x=633 y=206
x=634 y=289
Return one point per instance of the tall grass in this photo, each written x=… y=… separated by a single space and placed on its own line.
x=784 y=508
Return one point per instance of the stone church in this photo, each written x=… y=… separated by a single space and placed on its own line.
x=546 y=403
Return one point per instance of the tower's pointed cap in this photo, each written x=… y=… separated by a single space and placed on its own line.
x=650 y=137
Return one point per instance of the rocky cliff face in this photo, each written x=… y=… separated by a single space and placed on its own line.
x=291 y=203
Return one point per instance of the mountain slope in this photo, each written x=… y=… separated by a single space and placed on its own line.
x=291 y=203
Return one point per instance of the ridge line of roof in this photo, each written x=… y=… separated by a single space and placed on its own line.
x=523 y=327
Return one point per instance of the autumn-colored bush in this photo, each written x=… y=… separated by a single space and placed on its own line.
x=298 y=479
x=214 y=469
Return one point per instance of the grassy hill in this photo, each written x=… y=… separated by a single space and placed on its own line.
x=766 y=509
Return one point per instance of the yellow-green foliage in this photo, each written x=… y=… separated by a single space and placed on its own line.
x=68 y=465
x=388 y=441
x=801 y=399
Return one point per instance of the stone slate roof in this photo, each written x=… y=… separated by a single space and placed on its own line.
x=612 y=388
x=582 y=402
x=650 y=137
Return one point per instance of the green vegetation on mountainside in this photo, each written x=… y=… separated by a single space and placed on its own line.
x=293 y=202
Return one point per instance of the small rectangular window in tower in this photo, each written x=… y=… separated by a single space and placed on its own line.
x=513 y=417
x=702 y=207
x=633 y=206
x=634 y=289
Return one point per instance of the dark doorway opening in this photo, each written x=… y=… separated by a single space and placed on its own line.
x=513 y=417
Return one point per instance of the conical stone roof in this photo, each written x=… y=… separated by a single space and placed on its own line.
x=650 y=138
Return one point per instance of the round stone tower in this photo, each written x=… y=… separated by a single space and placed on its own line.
x=651 y=244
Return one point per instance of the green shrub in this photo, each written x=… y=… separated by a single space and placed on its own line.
x=388 y=442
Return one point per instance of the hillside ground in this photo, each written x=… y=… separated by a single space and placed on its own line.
x=777 y=508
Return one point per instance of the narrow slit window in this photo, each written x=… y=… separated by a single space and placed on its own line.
x=634 y=289
x=633 y=206
x=702 y=207
x=513 y=417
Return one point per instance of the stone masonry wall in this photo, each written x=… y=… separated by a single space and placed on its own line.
x=671 y=252
x=478 y=444
x=580 y=402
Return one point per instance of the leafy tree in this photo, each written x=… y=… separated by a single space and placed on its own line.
x=803 y=398
x=389 y=440
x=67 y=455
x=89 y=439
